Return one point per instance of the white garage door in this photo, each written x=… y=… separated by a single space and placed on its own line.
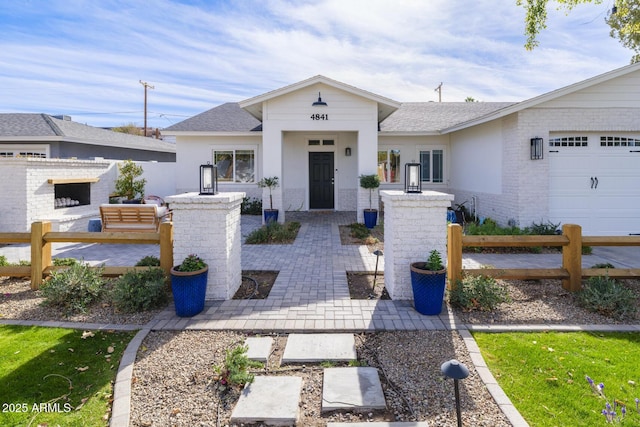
x=595 y=182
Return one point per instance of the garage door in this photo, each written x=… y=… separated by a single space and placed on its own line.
x=595 y=182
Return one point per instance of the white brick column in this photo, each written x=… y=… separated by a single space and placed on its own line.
x=209 y=226
x=414 y=225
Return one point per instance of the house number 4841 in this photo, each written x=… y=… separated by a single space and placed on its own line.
x=319 y=117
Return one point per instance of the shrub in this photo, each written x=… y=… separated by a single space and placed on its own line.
x=74 y=288
x=3 y=261
x=608 y=297
x=66 y=262
x=490 y=228
x=603 y=265
x=274 y=232
x=478 y=293
x=192 y=262
x=251 y=206
x=236 y=365
x=149 y=261
x=359 y=231
x=547 y=228
x=140 y=290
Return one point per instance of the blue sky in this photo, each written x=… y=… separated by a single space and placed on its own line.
x=85 y=58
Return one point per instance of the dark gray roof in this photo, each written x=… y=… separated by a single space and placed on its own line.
x=38 y=126
x=228 y=117
x=410 y=117
x=436 y=116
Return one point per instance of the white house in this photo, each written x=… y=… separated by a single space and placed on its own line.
x=319 y=135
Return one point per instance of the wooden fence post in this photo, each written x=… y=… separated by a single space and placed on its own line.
x=166 y=247
x=454 y=254
x=572 y=257
x=40 y=253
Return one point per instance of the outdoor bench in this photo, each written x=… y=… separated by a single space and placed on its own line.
x=132 y=217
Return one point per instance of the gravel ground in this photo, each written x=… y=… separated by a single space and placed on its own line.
x=174 y=380
x=18 y=301
x=174 y=385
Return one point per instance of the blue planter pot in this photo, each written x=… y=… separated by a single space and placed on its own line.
x=270 y=215
x=189 y=289
x=428 y=289
x=370 y=218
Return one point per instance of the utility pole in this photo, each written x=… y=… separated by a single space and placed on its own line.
x=439 y=90
x=146 y=85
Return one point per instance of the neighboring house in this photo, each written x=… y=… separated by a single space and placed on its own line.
x=319 y=135
x=57 y=170
x=58 y=137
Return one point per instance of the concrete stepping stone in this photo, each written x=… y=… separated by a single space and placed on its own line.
x=352 y=388
x=269 y=400
x=259 y=348
x=382 y=424
x=319 y=347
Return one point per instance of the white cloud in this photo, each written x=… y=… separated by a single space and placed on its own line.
x=85 y=58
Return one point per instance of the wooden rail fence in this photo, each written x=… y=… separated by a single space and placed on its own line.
x=571 y=241
x=41 y=237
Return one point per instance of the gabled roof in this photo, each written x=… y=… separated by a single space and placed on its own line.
x=227 y=117
x=386 y=106
x=549 y=96
x=25 y=127
x=433 y=117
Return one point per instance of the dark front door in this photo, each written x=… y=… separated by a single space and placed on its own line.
x=321 y=181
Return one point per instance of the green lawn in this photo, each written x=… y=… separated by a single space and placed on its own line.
x=544 y=374
x=51 y=376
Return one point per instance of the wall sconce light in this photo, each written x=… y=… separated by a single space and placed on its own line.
x=347 y=151
x=319 y=102
x=413 y=178
x=536 y=149
x=208 y=180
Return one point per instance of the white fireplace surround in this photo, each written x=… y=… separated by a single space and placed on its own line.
x=28 y=192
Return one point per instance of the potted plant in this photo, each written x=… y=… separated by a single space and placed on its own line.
x=270 y=183
x=370 y=182
x=128 y=185
x=189 y=285
x=428 y=281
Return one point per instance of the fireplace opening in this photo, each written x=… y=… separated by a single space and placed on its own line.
x=71 y=195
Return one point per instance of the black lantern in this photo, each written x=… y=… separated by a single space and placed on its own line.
x=536 y=148
x=413 y=178
x=208 y=180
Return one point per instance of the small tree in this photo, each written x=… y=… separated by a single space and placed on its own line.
x=127 y=184
x=270 y=183
x=129 y=128
x=370 y=182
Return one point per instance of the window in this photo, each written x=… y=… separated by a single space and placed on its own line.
x=235 y=165
x=569 y=141
x=432 y=162
x=324 y=142
x=619 y=141
x=389 y=165
x=20 y=151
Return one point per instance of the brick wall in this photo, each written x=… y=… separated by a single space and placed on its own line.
x=524 y=198
x=27 y=196
x=414 y=225
x=209 y=226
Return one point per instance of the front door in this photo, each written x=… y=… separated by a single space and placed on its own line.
x=321 y=181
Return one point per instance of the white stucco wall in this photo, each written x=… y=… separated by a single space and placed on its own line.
x=193 y=151
x=288 y=124
x=296 y=168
